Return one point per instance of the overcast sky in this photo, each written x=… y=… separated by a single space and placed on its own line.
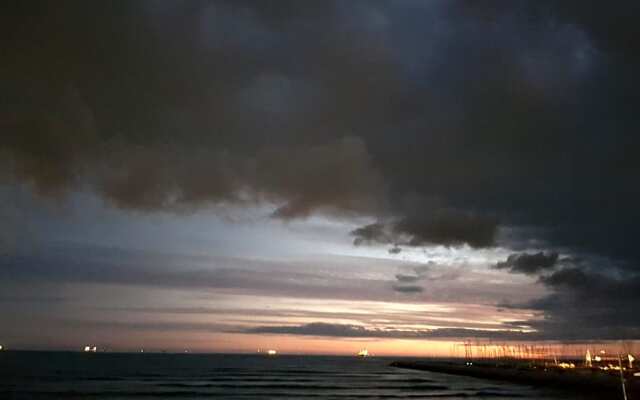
x=318 y=176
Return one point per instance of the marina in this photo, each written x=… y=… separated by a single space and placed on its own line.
x=589 y=381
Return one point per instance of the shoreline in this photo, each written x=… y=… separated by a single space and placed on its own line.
x=579 y=380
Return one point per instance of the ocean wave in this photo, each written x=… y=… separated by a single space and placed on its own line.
x=305 y=386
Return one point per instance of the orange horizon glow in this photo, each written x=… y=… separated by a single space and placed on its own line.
x=303 y=345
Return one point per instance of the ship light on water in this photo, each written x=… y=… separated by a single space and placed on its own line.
x=1 y=348
x=272 y=352
x=90 y=349
x=363 y=353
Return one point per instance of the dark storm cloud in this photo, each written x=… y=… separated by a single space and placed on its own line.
x=357 y=331
x=585 y=303
x=582 y=87
x=395 y=250
x=408 y=283
x=408 y=288
x=449 y=228
x=407 y=278
x=594 y=299
x=372 y=233
x=319 y=329
x=445 y=227
x=159 y=106
x=519 y=114
x=294 y=177
x=590 y=298
x=529 y=264
x=595 y=19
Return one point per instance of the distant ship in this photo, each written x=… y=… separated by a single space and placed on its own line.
x=363 y=353
x=90 y=349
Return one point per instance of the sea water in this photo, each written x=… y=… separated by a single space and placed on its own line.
x=69 y=375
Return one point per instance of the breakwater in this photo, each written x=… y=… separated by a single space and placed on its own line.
x=589 y=381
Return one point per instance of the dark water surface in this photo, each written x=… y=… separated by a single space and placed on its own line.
x=60 y=375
